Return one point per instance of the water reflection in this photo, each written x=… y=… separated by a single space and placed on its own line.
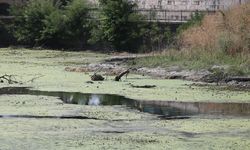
x=153 y=107
x=94 y=100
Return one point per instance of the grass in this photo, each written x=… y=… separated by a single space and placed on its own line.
x=195 y=60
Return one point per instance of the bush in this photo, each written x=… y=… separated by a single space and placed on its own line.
x=51 y=23
x=66 y=24
x=196 y=20
x=225 y=31
x=156 y=37
x=29 y=21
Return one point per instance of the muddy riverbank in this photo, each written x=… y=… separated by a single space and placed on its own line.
x=116 y=64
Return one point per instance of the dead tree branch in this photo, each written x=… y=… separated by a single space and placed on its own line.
x=33 y=79
x=9 y=78
x=118 y=77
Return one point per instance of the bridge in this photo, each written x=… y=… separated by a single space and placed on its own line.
x=160 y=15
x=170 y=16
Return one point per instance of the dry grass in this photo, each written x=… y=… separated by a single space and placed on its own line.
x=221 y=39
x=227 y=31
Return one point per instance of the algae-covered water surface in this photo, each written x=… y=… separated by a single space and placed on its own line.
x=59 y=111
x=166 y=109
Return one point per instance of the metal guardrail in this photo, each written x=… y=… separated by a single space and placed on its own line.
x=169 y=16
x=161 y=15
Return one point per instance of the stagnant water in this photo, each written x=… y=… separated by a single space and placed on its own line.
x=166 y=109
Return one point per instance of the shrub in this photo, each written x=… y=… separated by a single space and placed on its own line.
x=156 y=37
x=196 y=20
x=51 y=23
x=226 y=31
x=29 y=20
x=119 y=25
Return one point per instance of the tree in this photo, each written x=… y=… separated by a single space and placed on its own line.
x=29 y=20
x=79 y=25
x=52 y=23
x=119 y=25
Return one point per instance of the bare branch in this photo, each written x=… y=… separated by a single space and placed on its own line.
x=9 y=78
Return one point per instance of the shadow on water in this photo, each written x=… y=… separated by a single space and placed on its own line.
x=165 y=109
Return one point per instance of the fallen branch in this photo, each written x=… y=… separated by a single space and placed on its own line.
x=33 y=79
x=118 y=77
x=9 y=78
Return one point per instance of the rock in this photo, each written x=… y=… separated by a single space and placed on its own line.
x=97 y=77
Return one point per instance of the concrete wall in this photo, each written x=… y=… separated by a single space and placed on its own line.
x=170 y=4
x=187 y=4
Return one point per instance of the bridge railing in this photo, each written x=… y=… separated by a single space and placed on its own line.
x=170 y=16
x=160 y=15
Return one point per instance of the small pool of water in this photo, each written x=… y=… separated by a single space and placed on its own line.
x=165 y=109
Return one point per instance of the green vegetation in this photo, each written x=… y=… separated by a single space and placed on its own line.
x=50 y=23
x=116 y=127
x=54 y=23
x=76 y=24
x=121 y=28
x=119 y=25
x=197 y=60
x=156 y=37
x=196 y=20
x=50 y=65
x=221 y=39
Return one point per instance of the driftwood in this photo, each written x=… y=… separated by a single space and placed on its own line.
x=9 y=78
x=238 y=79
x=118 y=77
x=12 y=80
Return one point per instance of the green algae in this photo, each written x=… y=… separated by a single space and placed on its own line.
x=96 y=134
x=51 y=106
x=50 y=65
x=115 y=127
